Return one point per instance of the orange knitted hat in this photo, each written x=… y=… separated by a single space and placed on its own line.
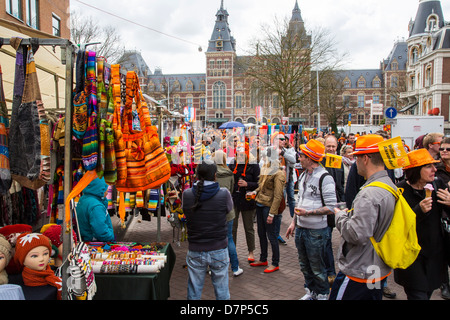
x=28 y=241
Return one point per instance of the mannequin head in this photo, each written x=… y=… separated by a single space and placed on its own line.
x=5 y=257
x=33 y=251
x=37 y=258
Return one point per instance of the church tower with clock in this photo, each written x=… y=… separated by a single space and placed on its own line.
x=220 y=60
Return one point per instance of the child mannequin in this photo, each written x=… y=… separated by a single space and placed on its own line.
x=33 y=253
x=5 y=257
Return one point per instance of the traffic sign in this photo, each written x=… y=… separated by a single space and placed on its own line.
x=390 y=113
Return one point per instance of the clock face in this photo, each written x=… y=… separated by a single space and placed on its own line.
x=219 y=44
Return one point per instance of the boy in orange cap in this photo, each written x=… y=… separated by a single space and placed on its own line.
x=361 y=269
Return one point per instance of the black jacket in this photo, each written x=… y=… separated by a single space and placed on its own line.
x=427 y=272
x=207 y=225
x=251 y=177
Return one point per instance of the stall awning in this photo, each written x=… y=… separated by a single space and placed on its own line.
x=404 y=109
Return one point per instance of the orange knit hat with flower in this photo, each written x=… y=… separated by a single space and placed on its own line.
x=28 y=241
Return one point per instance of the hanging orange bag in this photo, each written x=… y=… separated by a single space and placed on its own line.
x=141 y=160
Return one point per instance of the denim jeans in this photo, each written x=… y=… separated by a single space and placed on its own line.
x=232 y=248
x=329 y=257
x=198 y=262
x=267 y=232
x=311 y=246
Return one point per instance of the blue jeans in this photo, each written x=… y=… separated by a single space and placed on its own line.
x=329 y=258
x=198 y=262
x=232 y=248
x=267 y=232
x=311 y=246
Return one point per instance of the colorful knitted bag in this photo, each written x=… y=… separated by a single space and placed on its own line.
x=90 y=139
x=5 y=174
x=141 y=160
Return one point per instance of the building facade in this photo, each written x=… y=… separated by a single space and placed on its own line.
x=47 y=16
x=414 y=78
x=428 y=68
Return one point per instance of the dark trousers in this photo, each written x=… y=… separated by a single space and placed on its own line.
x=267 y=233
x=346 y=289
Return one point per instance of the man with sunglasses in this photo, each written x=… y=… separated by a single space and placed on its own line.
x=432 y=142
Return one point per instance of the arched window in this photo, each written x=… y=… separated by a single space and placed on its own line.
x=219 y=93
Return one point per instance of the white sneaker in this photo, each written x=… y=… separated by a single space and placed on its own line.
x=238 y=272
x=308 y=296
x=322 y=297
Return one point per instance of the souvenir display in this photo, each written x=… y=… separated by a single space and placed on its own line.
x=126 y=257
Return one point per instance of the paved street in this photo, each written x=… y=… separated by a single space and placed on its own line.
x=253 y=284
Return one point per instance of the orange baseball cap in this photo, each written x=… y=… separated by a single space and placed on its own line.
x=313 y=149
x=367 y=144
x=418 y=158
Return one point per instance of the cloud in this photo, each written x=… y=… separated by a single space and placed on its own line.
x=365 y=29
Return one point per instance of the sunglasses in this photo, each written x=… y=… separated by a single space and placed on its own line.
x=444 y=149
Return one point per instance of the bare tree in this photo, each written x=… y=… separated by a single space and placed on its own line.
x=283 y=60
x=332 y=104
x=84 y=30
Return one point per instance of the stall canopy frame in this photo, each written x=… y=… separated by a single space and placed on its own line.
x=68 y=50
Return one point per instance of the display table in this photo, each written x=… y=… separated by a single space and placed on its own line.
x=143 y=286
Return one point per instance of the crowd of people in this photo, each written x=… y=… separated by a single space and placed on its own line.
x=265 y=176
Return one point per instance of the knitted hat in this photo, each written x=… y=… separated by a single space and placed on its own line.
x=313 y=149
x=418 y=158
x=11 y=232
x=53 y=232
x=5 y=248
x=28 y=241
x=367 y=144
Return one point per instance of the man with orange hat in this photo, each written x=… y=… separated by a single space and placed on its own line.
x=361 y=269
x=310 y=221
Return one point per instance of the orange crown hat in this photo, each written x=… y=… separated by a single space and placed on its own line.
x=418 y=158
x=367 y=144
x=313 y=149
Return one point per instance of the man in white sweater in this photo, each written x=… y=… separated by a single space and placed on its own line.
x=309 y=224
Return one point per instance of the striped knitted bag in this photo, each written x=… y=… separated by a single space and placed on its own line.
x=90 y=139
x=5 y=174
x=141 y=160
x=101 y=148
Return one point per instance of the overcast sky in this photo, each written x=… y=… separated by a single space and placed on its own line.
x=366 y=30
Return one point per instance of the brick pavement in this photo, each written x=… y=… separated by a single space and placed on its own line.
x=253 y=284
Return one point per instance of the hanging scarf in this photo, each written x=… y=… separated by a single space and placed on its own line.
x=34 y=278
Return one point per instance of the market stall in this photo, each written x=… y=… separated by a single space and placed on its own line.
x=104 y=103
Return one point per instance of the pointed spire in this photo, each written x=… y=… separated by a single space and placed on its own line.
x=296 y=13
